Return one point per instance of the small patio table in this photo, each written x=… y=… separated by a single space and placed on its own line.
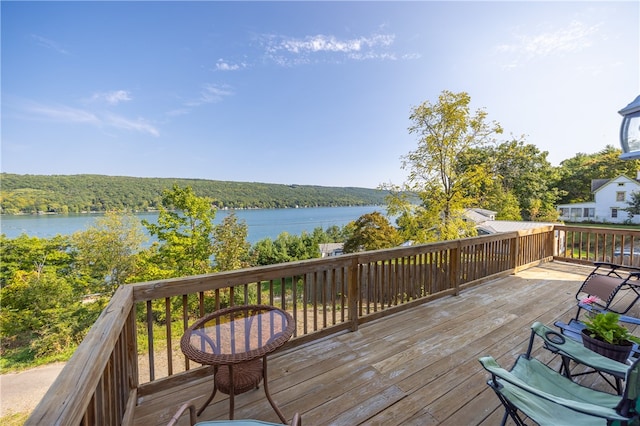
x=236 y=341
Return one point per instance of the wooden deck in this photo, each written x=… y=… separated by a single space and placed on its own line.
x=417 y=367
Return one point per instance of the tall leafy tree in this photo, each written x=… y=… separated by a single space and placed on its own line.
x=230 y=246
x=107 y=250
x=634 y=204
x=518 y=181
x=184 y=232
x=372 y=231
x=445 y=130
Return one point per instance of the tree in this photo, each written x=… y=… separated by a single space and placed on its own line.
x=576 y=173
x=107 y=250
x=230 y=246
x=33 y=254
x=372 y=231
x=44 y=311
x=516 y=176
x=184 y=231
x=634 y=204
x=445 y=130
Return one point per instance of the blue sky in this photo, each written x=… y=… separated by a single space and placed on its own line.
x=313 y=93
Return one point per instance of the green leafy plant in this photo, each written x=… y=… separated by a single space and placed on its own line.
x=606 y=326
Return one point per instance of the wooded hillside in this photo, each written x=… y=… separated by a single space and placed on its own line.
x=84 y=193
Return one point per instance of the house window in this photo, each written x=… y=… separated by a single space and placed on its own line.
x=614 y=213
x=564 y=211
x=576 y=212
x=620 y=195
x=589 y=212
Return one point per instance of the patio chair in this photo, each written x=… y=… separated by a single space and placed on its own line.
x=572 y=350
x=606 y=282
x=534 y=390
x=189 y=406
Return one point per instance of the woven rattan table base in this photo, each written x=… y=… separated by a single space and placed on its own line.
x=246 y=376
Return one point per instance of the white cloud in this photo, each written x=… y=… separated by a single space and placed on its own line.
x=138 y=125
x=211 y=93
x=65 y=114
x=113 y=97
x=574 y=37
x=62 y=113
x=223 y=65
x=49 y=44
x=322 y=43
x=291 y=51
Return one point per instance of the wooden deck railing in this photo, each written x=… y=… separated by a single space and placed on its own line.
x=103 y=381
x=588 y=244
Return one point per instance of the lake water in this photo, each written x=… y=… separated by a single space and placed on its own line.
x=261 y=223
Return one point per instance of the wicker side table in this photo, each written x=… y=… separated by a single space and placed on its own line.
x=236 y=341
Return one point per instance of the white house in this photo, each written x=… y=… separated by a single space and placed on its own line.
x=611 y=197
x=331 y=249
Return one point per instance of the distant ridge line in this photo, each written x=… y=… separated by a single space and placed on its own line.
x=91 y=192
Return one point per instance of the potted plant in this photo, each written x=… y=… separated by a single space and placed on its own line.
x=605 y=335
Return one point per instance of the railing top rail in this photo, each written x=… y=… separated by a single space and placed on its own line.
x=600 y=230
x=68 y=397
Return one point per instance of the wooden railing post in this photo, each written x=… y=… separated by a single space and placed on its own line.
x=515 y=250
x=454 y=268
x=354 y=291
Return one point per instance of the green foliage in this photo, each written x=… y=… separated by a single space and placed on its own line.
x=445 y=130
x=516 y=176
x=97 y=193
x=606 y=326
x=634 y=205
x=230 y=246
x=43 y=311
x=576 y=173
x=184 y=229
x=288 y=248
x=106 y=251
x=14 y=419
x=372 y=231
x=32 y=254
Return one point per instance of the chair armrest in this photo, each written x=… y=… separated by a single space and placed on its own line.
x=192 y=414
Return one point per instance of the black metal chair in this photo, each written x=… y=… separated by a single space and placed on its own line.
x=609 y=282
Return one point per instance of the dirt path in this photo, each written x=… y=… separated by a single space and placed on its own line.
x=21 y=392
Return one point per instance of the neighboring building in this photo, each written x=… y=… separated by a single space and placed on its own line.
x=611 y=197
x=331 y=249
x=486 y=223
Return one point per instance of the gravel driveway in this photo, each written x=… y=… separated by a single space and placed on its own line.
x=21 y=392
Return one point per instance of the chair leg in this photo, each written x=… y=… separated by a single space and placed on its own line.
x=565 y=367
x=509 y=411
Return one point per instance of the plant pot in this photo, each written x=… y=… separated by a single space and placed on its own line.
x=618 y=353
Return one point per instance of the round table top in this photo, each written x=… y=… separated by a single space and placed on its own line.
x=237 y=334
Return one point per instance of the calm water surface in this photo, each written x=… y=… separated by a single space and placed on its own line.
x=261 y=223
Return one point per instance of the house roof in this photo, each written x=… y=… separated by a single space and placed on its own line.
x=330 y=247
x=496 y=226
x=596 y=184
x=479 y=215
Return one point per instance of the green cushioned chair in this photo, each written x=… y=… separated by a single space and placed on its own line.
x=551 y=398
x=573 y=350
